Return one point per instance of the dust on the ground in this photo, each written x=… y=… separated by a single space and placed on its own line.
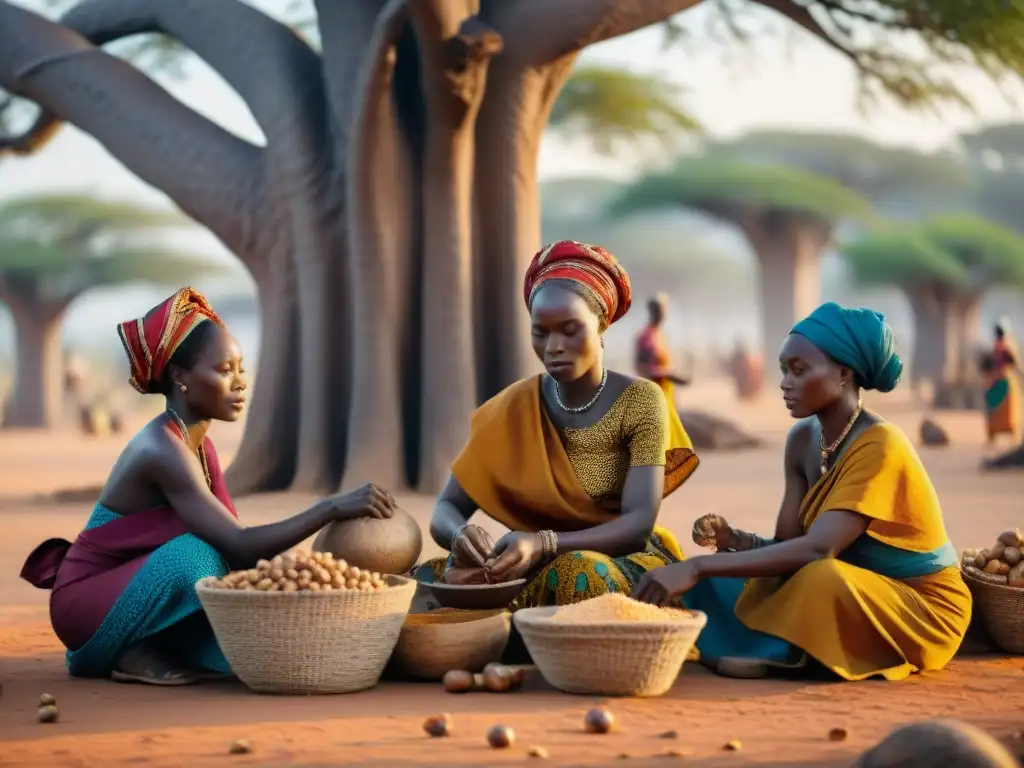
x=778 y=722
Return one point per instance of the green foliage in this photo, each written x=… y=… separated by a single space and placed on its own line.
x=877 y=37
x=903 y=257
x=1005 y=140
x=962 y=252
x=732 y=189
x=73 y=243
x=990 y=252
x=610 y=106
x=873 y=169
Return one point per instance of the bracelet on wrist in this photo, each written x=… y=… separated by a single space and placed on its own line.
x=459 y=530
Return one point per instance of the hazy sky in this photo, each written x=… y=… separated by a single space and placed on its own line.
x=785 y=80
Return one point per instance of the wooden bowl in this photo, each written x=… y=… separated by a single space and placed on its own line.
x=477 y=596
x=438 y=641
x=386 y=546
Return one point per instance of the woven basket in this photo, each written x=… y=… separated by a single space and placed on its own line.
x=307 y=642
x=626 y=658
x=439 y=641
x=1002 y=609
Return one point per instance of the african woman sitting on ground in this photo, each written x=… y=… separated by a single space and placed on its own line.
x=123 y=599
x=575 y=462
x=860 y=576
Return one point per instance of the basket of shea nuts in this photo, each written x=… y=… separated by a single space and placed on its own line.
x=306 y=623
x=996 y=579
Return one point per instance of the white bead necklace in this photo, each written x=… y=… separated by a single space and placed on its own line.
x=586 y=406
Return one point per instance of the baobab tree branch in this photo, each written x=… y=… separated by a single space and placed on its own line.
x=275 y=71
x=542 y=31
x=211 y=174
x=801 y=16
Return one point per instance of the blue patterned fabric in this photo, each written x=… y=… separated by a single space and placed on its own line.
x=161 y=595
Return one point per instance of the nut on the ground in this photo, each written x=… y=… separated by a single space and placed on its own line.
x=599 y=720
x=47 y=700
x=48 y=714
x=733 y=746
x=838 y=734
x=240 y=747
x=457 y=681
x=673 y=734
x=539 y=752
x=501 y=736
x=438 y=725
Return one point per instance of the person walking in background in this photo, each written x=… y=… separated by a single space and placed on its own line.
x=653 y=360
x=1002 y=389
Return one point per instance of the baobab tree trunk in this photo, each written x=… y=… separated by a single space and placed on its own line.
x=37 y=400
x=932 y=335
x=456 y=49
x=788 y=247
x=509 y=132
x=381 y=191
x=960 y=386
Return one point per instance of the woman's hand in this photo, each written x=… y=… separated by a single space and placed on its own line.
x=514 y=555
x=714 y=531
x=368 y=501
x=662 y=585
x=472 y=547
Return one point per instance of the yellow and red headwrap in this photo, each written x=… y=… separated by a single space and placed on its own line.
x=150 y=341
x=591 y=266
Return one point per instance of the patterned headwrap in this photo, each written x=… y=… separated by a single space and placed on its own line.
x=150 y=341
x=591 y=267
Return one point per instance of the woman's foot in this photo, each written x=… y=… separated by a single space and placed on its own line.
x=141 y=664
x=741 y=669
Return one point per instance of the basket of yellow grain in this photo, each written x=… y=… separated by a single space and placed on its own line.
x=444 y=639
x=610 y=645
x=305 y=623
x=995 y=577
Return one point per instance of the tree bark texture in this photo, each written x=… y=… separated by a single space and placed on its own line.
x=386 y=219
x=38 y=396
x=788 y=247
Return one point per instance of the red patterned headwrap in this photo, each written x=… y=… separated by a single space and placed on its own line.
x=590 y=266
x=150 y=341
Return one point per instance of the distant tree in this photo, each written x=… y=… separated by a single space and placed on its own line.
x=944 y=265
x=900 y=182
x=787 y=215
x=55 y=248
x=996 y=157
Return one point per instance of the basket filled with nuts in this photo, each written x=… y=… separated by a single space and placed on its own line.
x=306 y=623
x=610 y=645
x=996 y=580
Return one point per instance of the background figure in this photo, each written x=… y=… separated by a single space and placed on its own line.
x=653 y=360
x=1002 y=388
x=747 y=371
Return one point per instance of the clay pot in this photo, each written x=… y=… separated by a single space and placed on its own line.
x=385 y=546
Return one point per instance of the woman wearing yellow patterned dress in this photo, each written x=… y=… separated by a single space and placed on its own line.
x=860 y=577
x=574 y=462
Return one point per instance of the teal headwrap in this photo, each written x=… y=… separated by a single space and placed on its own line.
x=860 y=339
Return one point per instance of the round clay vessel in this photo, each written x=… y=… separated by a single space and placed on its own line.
x=386 y=546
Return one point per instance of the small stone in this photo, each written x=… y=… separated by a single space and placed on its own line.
x=501 y=736
x=733 y=746
x=838 y=734
x=48 y=714
x=47 y=700
x=240 y=747
x=676 y=753
x=438 y=725
x=538 y=752
x=599 y=720
x=673 y=734
x=624 y=756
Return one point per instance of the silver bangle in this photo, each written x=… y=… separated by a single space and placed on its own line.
x=460 y=529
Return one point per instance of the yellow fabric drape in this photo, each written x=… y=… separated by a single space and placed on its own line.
x=856 y=622
x=516 y=470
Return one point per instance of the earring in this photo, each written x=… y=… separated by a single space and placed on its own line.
x=183 y=387
x=602 y=342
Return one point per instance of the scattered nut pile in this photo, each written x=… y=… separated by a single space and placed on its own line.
x=496 y=678
x=303 y=572
x=1002 y=563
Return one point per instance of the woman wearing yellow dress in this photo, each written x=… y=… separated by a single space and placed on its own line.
x=574 y=462
x=1002 y=391
x=860 y=576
